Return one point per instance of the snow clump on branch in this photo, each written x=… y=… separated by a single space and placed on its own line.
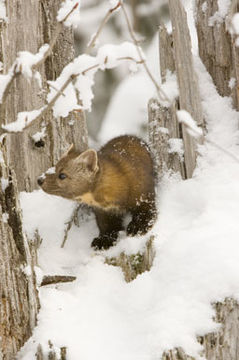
x=24 y=119
x=74 y=18
x=68 y=100
x=26 y=60
x=192 y=128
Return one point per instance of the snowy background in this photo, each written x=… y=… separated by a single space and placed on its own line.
x=196 y=241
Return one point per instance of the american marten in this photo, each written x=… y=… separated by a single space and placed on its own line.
x=116 y=180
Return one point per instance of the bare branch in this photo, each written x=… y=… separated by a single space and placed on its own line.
x=102 y=24
x=69 y=224
x=162 y=95
x=54 y=279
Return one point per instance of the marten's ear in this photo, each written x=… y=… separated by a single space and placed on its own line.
x=71 y=149
x=90 y=159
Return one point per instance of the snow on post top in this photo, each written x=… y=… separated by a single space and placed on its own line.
x=192 y=128
x=67 y=7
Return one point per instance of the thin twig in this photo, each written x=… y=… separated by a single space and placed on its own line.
x=102 y=24
x=69 y=225
x=54 y=88
x=54 y=279
x=162 y=95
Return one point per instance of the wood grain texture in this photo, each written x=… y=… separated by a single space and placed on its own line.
x=217 y=46
x=222 y=344
x=18 y=293
x=189 y=96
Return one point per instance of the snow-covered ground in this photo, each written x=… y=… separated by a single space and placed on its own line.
x=196 y=241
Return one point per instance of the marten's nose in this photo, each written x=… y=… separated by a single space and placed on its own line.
x=40 y=181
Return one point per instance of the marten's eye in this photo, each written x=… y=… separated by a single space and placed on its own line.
x=62 y=176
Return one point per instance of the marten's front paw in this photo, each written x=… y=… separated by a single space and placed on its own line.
x=103 y=242
x=134 y=229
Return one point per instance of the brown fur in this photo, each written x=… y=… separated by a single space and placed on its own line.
x=116 y=180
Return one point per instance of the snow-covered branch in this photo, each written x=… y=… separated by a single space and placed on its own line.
x=101 y=26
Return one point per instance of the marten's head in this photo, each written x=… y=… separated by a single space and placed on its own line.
x=73 y=175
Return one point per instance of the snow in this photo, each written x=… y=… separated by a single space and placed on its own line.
x=39 y=135
x=235 y=23
x=176 y=146
x=68 y=101
x=192 y=128
x=220 y=14
x=204 y=6
x=27 y=270
x=223 y=7
x=133 y=109
x=197 y=237
x=51 y=170
x=235 y=27
x=196 y=263
x=3 y=15
x=109 y=55
x=5 y=217
x=4 y=184
x=26 y=60
x=24 y=119
x=1 y=157
x=39 y=274
x=84 y=86
x=163 y=130
x=65 y=9
x=232 y=83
